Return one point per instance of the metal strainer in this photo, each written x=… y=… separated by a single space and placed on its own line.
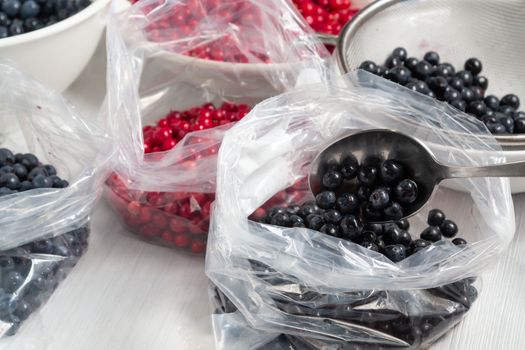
x=493 y=31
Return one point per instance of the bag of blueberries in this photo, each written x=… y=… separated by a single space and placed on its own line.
x=52 y=167
x=321 y=273
x=180 y=73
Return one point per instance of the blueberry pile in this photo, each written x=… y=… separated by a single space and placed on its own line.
x=464 y=89
x=23 y=16
x=23 y=172
x=29 y=274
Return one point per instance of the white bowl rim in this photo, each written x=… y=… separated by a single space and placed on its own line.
x=58 y=27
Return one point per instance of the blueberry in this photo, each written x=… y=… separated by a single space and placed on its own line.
x=392 y=234
x=381 y=71
x=519 y=125
x=400 y=52
x=4 y=19
x=41 y=181
x=26 y=186
x=423 y=69
x=448 y=228
x=459 y=104
x=411 y=63
x=10 y=181
x=496 y=128
x=12 y=281
x=326 y=199
x=6 y=263
x=349 y=168
x=507 y=122
x=418 y=86
x=7 y=169
x=474 y=66
x=369 y=236
x=23 y=310
x=351 y=228
x=432 y=57
x=406 y=191
x=330 y=229
x=492 y=102
x=478 y=92
x=391 y=171
x=394 y=211
x=368 y=175
x=296 y=224
x=11 y=7
x=347 y=203
x=405 y=238
x=478 y=108
x=467 y=95
x=315 y=221
x=432 y=234
x=380 y=243
x=376 y=228
x=400 y=75
x=64 y=184
x=395 y=253
x=51 y=170
x=372 y=214
x=7 y=304
x=451 y=95
x=438 y=84
x=4 y=191
x=38 y=171
x=281 y=219
x=444 y=71
x=29 y=9
x=421 y=243
x=392 y=62
x=507 y=110
x=32 y=23
x=332 y=216
x=4 y=33
x=518 y=115
x=435 y=217
x=510 y=100
x=481 y=82
x=379 y=199
x=30 y=161
x=292 y=210
x=332 y=179
x=466 y=76
x=369 y=66
x=403 y=224
x=459 y=242
x=309 y=208
x=456 y=83
x=20 y=171
x=44 y=246
x=16 y=27
x=6 y=157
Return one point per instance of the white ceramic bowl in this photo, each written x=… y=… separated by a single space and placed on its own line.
x=491 y=30
x=56 y=55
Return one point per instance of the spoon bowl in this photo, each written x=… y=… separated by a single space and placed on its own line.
x=420 y=164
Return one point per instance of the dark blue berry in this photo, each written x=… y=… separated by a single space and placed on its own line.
x=392 y=62
x=30 y=161
x=467 y=95
x=4 y=19
x=421 y=243
x=394 y=211
x=4 y=33
x=444 y=71
x=369 y=236
x=466 y=76
x=309 y=208
x=347 y=203
x=391 y=171
x=7 y=304
x=20 y=171
x=406 y=191
x=351 y=228
x=281 y=219
x=411 y=63
x=478 y=108
x=372 y=214
x=4 y=191
x=459 y=242
x=315 y=221
x=448 y=228
x=395 y=253
x=519 y=125
x=326 y=200
x=11 y=7
x=432 y=234
x=12 y=281
x=474 y=66
x=29 y=9
x=507 y=122
x=10 y=181
x=438 y=84
x=481 y=82
x=292 y=210
x=432 y=57
x=376 y=228
x=379 y=199
x=6 y=157
x=400 y=75
x=26 y=186
x=492 y=102
x=363 y=193
x=332 y=179
x=41 y=181
x=6 y=263
x=400 y=52
x=42 y=247
x=23 y=310
x=16 y=27
x=451 y=95
x=370 y=246
x=510 y=100
x=392 y=234
x=369 y=66
x=423 y=69
x=7 y=169
x=403 y=224
x=368 y=175
x=349 y=168
x=332 y=216
x=405 y=238
x=435 y=217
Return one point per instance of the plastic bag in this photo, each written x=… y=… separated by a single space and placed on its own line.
x=44 y=231
x=322 y=292
x=165 y=59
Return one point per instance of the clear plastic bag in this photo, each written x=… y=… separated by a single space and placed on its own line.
x=322 y=292
x=43 y=232
x=164 y=58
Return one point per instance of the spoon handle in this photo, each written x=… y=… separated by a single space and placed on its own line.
x=515 y=169
x=329 y=39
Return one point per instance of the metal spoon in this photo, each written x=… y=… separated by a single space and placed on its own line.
x=425 y=170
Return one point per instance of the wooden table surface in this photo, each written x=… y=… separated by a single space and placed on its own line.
x=128 y=295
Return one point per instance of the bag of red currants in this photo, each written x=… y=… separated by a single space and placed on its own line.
x=345 y=266
x=181 y=73
x=53 y=163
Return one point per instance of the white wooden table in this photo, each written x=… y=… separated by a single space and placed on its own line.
x=129 y=295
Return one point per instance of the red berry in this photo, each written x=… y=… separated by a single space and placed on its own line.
x=178 y=225
x=168 y=237
x=182 y=241
x=134 y=208
x=160 y=220
x=145 y=214
x=150 y=231
x=198 y=247
x=337 y=5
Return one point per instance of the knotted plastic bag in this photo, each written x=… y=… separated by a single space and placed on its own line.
x=165 y=59
x=297 y=288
